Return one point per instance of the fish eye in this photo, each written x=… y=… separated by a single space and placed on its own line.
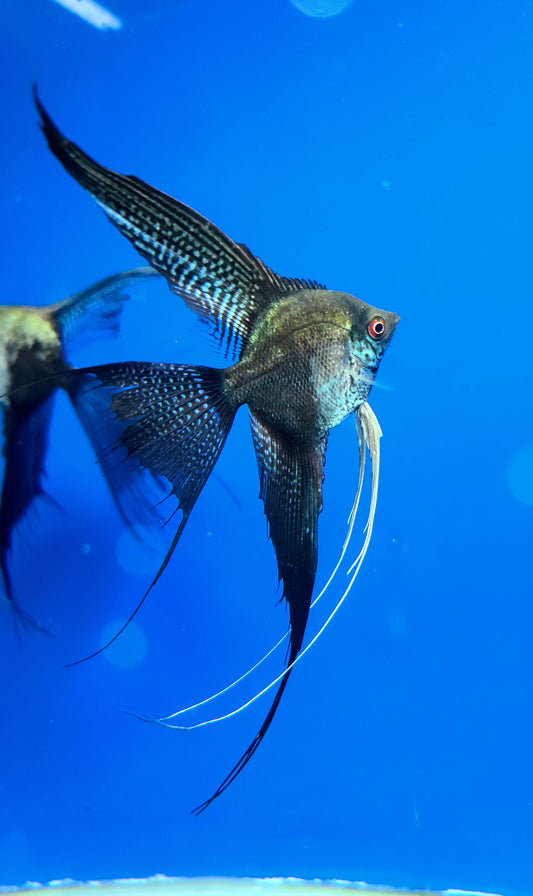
x=377 y=328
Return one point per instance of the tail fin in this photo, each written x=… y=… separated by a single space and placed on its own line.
x=98 y=307
x=136 y=493
x=153 y=426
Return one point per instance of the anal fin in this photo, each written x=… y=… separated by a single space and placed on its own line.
x=290 y=475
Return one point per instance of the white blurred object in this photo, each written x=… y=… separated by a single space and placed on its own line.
x=321 y=9
x=223 y=886
x=92 y=13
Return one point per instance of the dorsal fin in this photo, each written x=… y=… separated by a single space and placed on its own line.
x=219 y=279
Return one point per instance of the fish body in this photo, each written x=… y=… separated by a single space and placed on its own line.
x=30 y=351
x=32 y=367
x=305 y=368
x=305 y=357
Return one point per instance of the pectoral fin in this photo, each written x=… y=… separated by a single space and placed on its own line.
x=290 y=476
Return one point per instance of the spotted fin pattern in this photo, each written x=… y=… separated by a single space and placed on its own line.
x=138 y=494
x=169 y=419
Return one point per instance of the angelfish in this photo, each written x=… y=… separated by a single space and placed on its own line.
x=32 y=366
x=305 y=357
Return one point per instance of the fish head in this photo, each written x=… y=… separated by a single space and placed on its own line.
x=371 y=331
x=360 y=333
x=311 y=360
x=368 y=333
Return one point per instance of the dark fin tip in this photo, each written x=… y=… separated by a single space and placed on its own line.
x=49 y=129
x=40 y=108
x=247 y=755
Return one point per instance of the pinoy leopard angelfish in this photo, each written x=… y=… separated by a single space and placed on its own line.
x=305 y=357
x=32 y=364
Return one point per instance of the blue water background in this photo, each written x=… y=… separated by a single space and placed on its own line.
x=387 y=152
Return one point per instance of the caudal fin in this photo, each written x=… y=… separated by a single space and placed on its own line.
x=157 y=430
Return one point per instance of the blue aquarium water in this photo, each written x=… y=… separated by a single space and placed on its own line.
x=384 y=149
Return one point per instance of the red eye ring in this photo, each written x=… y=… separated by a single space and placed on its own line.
x=377 y=328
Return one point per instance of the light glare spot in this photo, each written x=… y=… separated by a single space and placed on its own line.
x=93 y=13
x=397 y=623
x=130 y=647
x=321 y=9
x=520 y=475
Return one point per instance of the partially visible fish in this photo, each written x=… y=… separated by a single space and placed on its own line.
x=306 y=357
x=32 y=367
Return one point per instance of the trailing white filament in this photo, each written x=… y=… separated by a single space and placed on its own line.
x=369 y=431
x=372 y=431
x=351 y=521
